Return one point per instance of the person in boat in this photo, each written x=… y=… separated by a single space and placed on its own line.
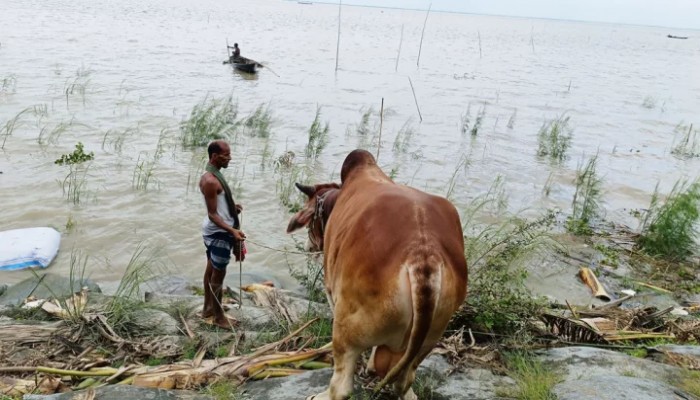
x=236 y=53
x=220 y=231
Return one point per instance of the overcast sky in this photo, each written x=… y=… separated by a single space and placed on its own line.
x=671 y=13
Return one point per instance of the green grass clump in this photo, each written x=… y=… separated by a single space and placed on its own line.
x=74 y=185
x=669 y=229
x=498 y=300
x=587 y=198
x=223 y=390
x=78 y=156
x=534 y=380
x=209 y=120
x=318 y=136
x=258 y=123
x=689 y=144
x=554 y=139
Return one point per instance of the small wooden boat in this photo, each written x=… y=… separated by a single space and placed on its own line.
x=676 y=37
x=245 y=64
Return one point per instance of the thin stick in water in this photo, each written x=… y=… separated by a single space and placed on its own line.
x=479 y=35
x=420 y=47
x=414 y=98
x=532 y=38
x=337 y=47
x=381 y=122
x=399 y=52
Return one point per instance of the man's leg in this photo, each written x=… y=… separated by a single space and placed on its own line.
x=208 y=309
x=217 y=284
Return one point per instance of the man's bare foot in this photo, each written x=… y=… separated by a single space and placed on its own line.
x=226 y=322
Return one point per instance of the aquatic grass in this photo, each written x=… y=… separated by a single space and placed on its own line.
x=534 y=379
x=477 y=123
x=77 y=86
x=198 y=162
x=464 y=120
x=511 y=120
x=259 y=122
x=649 y=102
x=669 y=229
x=51 y=136
x=554 y=139
x=587 y=198
x=9 y=127
x=363 y=127
x=463 y=163
x=74 y=185
x=318 y=136
x=547 y=188
x=287 y=192
x=8 y=85
x=689 y=144
x=402 y=141
x=209 y=120
x=143 y=174
x=114 y=139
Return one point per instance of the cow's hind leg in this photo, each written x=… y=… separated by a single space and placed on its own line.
x=345 y=358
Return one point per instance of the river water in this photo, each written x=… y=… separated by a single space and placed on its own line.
x=97 y=71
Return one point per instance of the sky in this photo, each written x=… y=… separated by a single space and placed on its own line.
x=669 y=13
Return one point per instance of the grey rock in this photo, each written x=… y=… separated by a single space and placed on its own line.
x=45 y=286
x=254 y=318
x=166 y=284
x=690 y=353
x=232 y=279
x=578 y=362
x=124 y=392
x=472 y=384
x=152 y=321
x=295 y=387
x=603 y=387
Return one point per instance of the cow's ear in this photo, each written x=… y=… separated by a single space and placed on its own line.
x=300 y=219
x=306 y=189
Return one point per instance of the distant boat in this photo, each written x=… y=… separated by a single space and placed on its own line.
x=304 y=2
x=245 y=64
x=676 y=37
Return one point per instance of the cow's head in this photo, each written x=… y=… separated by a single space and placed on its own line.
x=314 y=215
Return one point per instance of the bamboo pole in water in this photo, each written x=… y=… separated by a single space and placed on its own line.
x=420 y=47
x=398 y=55
x=337 y=47
x=414 y=98
x=479 y=34
x=381 y=122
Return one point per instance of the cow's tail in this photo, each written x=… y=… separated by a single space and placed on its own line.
x=425 y=281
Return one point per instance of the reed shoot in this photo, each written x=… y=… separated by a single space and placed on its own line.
x=209 y=120
x=318 y=136
x=587 y=199
x=689 y=144
x=9 y=127
x=554 y=139
x=258 y=123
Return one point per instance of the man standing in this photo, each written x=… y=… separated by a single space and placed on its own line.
x=220 y=230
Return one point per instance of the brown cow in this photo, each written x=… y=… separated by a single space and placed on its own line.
x=395 y=271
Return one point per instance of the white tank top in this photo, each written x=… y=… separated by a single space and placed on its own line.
x=208 y=227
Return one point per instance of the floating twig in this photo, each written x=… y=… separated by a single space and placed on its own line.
x=337 y=47
x=398 y=54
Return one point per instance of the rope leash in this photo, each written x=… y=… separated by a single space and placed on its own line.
x=306 y=253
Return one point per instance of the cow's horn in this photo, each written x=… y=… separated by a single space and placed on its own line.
x=307 y=190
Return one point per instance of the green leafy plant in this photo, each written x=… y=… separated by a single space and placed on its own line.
x=669 y=229
x=554 y=139
x=78 y=156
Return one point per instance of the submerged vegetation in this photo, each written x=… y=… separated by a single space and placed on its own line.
x=74 y=185
x=689 y=144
